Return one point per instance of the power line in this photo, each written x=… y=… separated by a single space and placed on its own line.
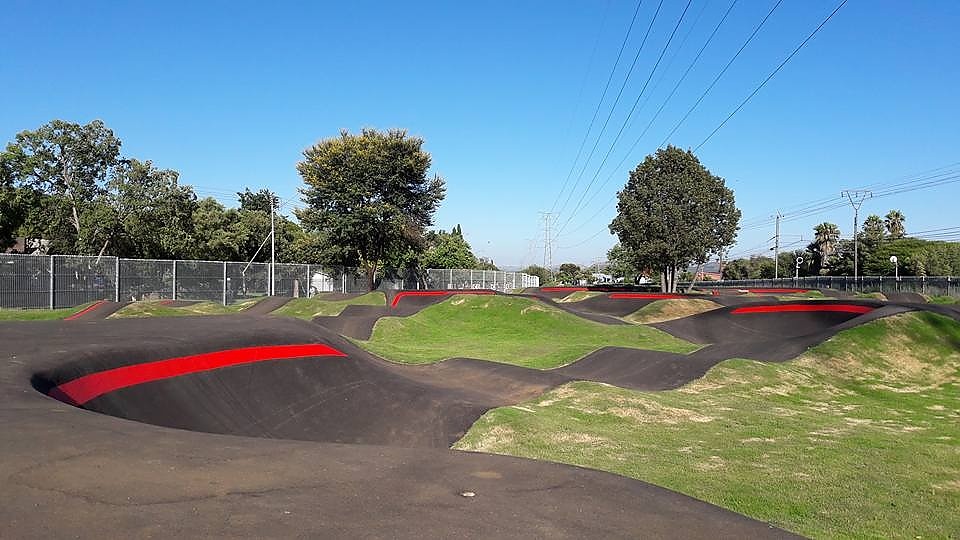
x=626 y=121
x=603 y=96
x=722 y=71
x=650 y=123
x=613 y=108
x=774 y=72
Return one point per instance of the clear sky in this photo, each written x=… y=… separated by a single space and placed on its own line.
x=230 y=93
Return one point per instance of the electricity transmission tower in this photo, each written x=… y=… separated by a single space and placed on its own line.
x=547 y=240
x=856 y=198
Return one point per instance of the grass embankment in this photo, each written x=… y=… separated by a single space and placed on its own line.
x=668 y=310
x=40 y=314
x=809 y=295
x=160 y=309
x=871 y=296
x=308 y=308
x=942 y=300
x=579 y=296
x=859 y=437
x=512 y=330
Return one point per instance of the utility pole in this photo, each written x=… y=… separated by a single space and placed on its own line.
x=547 y=241
x=273 y=246
x=856 y=198
x=776 y=248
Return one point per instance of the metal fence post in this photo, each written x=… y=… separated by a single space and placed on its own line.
x=52 y=300
x=224 y=282
x=174 y=296
x=343 y=277
x=116 y=280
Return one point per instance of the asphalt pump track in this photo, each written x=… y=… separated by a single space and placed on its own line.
x=287 y=428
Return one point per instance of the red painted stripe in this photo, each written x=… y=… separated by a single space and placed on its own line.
x=87 y=309
x=788 y=308
x=625 y=296
x=402 y=294
x=778 y=290
x=563 y=289
x=83 y=389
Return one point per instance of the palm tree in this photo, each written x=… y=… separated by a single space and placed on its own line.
x=826 y=236
x=894 y=224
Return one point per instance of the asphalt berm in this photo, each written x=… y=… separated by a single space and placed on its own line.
x=346 y=445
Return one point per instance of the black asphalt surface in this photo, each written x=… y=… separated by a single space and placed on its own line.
x=348 y=446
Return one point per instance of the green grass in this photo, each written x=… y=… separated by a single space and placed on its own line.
x=871 y=295
x=40 y=314
x=579 y=296
x=942 y=300
x=671 y=309
x=806 y=295
x=308 y=308
x=505 y=329
x=157 y=309
x=859 y=437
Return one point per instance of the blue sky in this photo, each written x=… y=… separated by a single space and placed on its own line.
x=230 y=93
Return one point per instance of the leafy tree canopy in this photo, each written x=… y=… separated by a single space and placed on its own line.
x=65 y=165
x=369 y=196
x=448 y=250
x=673 y=212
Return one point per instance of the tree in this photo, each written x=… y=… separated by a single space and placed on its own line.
x=68 y=163
x=12 y=211
x=620 y=264
x=569 y=273
x=873 y=231
x=134 y=213
x=448 y=250
x=257 y=201
x=673 y=212
x=369 y=196
x=825 y=237
x=894 y=223
x=540 y=272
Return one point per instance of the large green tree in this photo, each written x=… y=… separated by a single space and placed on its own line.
x=369 y=196
x=66 y=165
x=674 y=212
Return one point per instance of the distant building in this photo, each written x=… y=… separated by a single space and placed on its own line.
x=709 y=276
x=29 y=246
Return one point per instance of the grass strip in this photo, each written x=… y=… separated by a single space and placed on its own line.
x=159 y=309
x=506 y=329
x=14 y=314
x=856 y=438
x=579 y=296
x=308 y=308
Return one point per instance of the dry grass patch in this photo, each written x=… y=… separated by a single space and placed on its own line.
x=668 y=310
x=817 y=446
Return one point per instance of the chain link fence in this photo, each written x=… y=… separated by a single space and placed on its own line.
x=928 y=285
x=59 y=281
